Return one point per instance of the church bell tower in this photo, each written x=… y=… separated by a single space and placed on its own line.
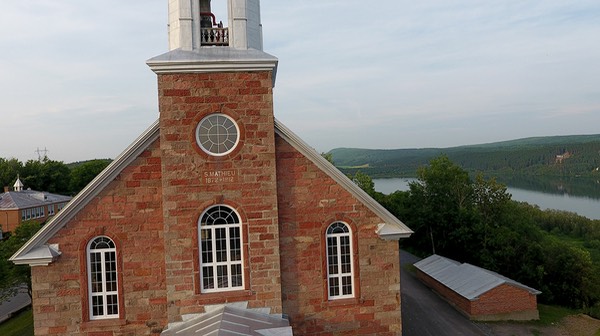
x=217 y=141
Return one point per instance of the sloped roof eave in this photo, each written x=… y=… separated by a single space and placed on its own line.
x=25 y=253
x=466 y=280
x=391 y=228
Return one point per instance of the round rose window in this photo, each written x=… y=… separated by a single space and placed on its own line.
x=217 y=134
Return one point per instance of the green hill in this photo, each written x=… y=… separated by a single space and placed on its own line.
x=575 y=155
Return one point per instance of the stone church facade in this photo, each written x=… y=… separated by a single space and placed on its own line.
x=217 y=204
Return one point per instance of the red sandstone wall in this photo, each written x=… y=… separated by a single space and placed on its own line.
x=184 y=100
x=129 y=211
x=308 y=202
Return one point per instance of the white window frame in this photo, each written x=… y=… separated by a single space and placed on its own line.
x=340 y=261
x=214 y=262
x=104 y=255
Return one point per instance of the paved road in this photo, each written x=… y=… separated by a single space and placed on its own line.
x=424 y=313
x=16 y=303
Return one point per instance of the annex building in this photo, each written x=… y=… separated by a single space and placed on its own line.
x=478 y=293
x=20 y=205
x=218 y=219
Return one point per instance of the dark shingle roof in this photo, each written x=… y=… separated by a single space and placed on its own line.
x=13 y=200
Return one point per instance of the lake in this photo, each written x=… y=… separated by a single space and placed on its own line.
x=588 y=206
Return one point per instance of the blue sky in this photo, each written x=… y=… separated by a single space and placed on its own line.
x=388 y=74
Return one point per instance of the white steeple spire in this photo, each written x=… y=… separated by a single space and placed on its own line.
x=193 y=26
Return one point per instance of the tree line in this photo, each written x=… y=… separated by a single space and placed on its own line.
x=574 y=157
x=475 y=220
x=52 y=176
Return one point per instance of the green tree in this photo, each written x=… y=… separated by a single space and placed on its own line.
x=442 y=201
x=46 y=175
x=84 y=173
x=491 y=201
x=364 y=181
x=9 y=169
x=13 y=276
x=328 y=157
x=568 y=274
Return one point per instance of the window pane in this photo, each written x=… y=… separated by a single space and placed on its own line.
x=111 y=271
x=112 y=305
x=222 y=278
x=221 y=244
x=332 y=258
x=235 y=244
x=334 y=287
x=206 y=246
x=236 y=275
x=347 y=285
x=96 y=272
x=97 y=306
x=207 y=278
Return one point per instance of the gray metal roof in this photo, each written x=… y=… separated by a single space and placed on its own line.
x=465 y=279
x=14 y=200
x=232 y=321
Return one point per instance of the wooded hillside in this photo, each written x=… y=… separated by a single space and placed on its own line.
x=577 y=155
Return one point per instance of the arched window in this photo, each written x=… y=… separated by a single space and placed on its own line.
x=102 y=279
x=221 y=260
x=340 y=268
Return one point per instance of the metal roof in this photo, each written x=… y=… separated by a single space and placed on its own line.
x=232 y=321
x=467 y=280
x=14 y=200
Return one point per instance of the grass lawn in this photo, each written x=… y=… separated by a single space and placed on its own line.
x=20 y=325
x=550 y=315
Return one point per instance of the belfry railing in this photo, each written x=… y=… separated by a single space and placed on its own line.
x=214 y=36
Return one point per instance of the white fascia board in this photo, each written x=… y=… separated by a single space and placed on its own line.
x=88 y=193
x=391 y=228
x=39 y=256
x=213 y=59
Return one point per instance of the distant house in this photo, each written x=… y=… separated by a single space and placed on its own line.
x=561 y=157
x=22 y=205
x=478 y=293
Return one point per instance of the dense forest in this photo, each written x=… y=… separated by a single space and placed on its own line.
x=475 y=220
x=51 y=176
x=566 y=156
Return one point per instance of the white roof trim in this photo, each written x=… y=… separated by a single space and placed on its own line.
x=39 y=256
x=28 y=253
x=391 y=228
x=35 y=252
x=214 y=59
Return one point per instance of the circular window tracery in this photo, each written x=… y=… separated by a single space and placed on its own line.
x=217 y=134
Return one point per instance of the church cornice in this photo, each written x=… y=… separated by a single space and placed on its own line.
x=213 y=59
